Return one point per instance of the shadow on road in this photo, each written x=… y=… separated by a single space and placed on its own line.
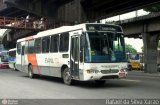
x=108 y=84
x=87 y=84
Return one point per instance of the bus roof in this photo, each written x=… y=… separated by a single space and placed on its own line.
x=59 y=30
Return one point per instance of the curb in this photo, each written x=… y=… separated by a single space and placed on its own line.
x=141 y=73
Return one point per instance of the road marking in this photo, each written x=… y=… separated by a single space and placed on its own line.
x=131 y=80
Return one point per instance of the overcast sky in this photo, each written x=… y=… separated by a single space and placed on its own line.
x=136 y=43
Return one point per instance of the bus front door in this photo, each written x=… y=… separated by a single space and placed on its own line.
x=74 y=56
x=22 y=59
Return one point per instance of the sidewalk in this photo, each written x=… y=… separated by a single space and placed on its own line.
x=141 y=73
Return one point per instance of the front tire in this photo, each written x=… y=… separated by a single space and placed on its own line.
x=30 y=71
x=67 y=76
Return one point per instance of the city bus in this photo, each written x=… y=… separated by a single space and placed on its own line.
x=4 y=59
x=12 y=58
x=74 y=53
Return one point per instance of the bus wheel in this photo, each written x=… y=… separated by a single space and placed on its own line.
x=100 y=82
x=67 y=76
x=30 y=73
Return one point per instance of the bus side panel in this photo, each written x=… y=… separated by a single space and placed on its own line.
x=32 y=59
x=55 y=65
x=18 y=62
x=18 y=59
x=43 y=63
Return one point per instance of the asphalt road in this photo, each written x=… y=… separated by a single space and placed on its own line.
x=17 y=85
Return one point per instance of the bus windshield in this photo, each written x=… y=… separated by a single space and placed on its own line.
x=12 y=53
x=4 y=56
x=104 y=47
x=134 y=56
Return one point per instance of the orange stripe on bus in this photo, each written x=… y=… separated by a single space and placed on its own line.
x=33 y=60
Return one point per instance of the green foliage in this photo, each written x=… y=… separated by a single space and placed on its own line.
x=130 y=48
x=152 y=9
x=159 y=44
x=142 y=48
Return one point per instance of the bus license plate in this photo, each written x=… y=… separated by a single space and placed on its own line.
x=122 y=74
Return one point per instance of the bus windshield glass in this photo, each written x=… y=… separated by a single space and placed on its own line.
x=4 y=56
x=12 y=53
x=134 y=56
x=104 y=47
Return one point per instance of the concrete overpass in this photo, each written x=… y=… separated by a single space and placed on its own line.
x=78 y=10
x=147 y=28
x=67 y=11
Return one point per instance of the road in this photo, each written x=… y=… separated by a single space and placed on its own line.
x=17 y=85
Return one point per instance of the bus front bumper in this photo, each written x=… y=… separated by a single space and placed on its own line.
x=101 y=76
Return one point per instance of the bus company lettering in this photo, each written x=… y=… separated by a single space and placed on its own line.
x=49 y=60
x=93 y=67
x=110 y=66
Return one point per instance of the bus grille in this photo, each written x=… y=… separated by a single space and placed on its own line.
x=109 y=71
x=109 y=77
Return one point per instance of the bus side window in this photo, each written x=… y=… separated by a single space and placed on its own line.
x=26 y=47
x=54 y=43
x=64 y=42
x=19 y=48
x=37 y=46
x=82 y=44
x=45 y=44
x=31 y=46
x=23 y=47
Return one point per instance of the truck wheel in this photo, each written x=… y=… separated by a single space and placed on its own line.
x=67 y=76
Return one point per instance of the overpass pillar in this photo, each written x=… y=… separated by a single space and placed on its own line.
x=150 y=42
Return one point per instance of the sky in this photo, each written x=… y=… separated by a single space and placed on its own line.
x=136 y=43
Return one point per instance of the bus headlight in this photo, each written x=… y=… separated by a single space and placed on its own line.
x=91 y=71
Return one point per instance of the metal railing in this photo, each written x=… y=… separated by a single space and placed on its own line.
x=32 y=24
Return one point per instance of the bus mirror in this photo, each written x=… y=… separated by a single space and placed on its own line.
x=122 y=41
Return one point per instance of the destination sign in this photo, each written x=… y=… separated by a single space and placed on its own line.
x=103 y=27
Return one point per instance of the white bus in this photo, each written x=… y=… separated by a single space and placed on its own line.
x=4 y=59
x=12 y=58
x=82 y=52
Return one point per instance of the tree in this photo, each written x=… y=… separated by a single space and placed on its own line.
x=153 y=9
x=130 y=49
x=142 y=48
